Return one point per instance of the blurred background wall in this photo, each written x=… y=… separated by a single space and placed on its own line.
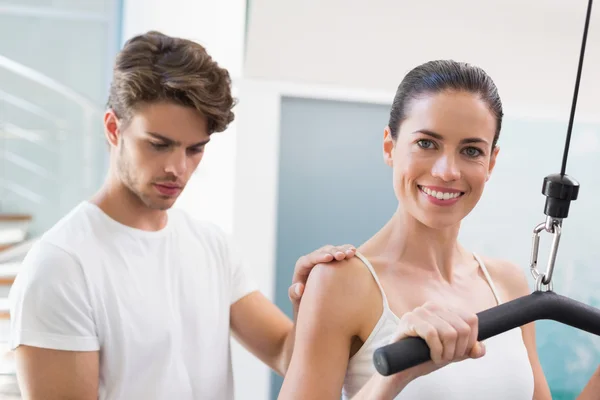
x=301 y=166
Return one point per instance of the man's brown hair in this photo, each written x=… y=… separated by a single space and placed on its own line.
x=154 y=67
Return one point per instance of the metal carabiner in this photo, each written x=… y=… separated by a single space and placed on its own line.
x=551 y=225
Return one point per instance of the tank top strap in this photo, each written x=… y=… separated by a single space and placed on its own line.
x=488 y=278
x=372 y=270
x=476 y=256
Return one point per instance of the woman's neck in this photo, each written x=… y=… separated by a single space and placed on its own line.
x=405 y=239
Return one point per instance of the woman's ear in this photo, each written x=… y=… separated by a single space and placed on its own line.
x=388 y=146
x=492 y=162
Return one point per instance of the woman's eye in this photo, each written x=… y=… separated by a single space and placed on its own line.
x=425 y=144
x=472 y=152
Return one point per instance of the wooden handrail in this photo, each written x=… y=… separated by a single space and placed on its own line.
x=15 y=217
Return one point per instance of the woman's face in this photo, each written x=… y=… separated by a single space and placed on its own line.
x=442 y=156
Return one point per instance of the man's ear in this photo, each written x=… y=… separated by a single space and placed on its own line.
x=388 y=146
x=492 y=162
x=111 y=127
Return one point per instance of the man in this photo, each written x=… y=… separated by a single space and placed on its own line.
x=126 y=297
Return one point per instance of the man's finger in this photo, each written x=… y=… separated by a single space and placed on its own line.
x=307 y=262
x=295 y=291
x=349 y=249
x=326 y=254
x=342 y=252
x=323 y=255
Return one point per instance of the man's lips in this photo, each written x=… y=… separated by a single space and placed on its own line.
x=167 y=189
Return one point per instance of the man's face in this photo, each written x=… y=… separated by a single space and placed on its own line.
x=158 y=150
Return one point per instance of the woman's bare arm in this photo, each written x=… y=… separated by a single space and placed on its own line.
x=331 y=312
x=338 y=305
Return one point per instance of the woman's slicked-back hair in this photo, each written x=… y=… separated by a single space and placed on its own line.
x=443 y=75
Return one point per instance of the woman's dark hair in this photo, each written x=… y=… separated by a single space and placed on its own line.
x=441 y=75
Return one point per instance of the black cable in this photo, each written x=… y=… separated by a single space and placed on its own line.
x=578 y=79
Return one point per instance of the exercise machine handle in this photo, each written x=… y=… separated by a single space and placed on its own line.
x=412 y=351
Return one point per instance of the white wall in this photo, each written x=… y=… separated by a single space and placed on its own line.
x=218 y=25
x=529 y=47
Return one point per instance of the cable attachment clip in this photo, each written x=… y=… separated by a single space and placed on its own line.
x=553 y=226
x=559 y=190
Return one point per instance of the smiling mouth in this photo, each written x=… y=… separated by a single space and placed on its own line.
x=440 y=195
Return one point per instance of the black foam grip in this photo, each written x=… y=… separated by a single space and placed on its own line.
x=409 y=352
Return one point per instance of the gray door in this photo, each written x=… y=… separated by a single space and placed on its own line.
x=331 y=165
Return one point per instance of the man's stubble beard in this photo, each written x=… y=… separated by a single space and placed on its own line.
x=133 y=185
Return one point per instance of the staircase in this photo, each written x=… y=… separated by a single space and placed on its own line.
x=14 y=244
x=54 y=72
x=38 y=181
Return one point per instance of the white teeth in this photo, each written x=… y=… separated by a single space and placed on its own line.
x=440 y=195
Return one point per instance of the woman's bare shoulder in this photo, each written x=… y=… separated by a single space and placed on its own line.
x=339 y=287
x=341 y=278
x=509 y=276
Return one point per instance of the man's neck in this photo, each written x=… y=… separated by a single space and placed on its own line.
x=120 y=204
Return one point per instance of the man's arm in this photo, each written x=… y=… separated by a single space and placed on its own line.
x=57 y=375
x=262 y=328
x=52 y=329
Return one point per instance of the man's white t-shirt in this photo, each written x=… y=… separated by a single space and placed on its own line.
x=155 y=304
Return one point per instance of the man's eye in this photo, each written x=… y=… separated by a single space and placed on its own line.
x=159 y=146
x=196 y=150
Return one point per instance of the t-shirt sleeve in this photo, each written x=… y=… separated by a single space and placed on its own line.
x=242 y=283
x=49 y=303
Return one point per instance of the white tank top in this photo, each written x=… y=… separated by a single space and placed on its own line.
x=503 y=373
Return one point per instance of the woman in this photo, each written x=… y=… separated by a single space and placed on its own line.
x=413 y=278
